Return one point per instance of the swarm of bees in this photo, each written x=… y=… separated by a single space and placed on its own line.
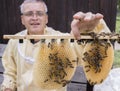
x=56 y=61
x=55 y=64
x=59 y=62
x=97 y=59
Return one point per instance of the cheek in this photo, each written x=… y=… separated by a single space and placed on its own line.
x=43 y=22
x=25 y=22
x=44 y=19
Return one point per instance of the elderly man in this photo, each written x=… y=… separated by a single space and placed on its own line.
x=34 y=17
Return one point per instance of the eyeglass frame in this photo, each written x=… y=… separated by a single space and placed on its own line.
x=31 y=13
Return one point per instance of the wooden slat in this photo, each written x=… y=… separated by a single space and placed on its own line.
x=106 y=36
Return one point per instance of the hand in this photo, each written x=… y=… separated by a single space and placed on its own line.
x=8 y=89
x=84 y=22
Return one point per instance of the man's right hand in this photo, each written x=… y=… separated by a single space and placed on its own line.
x=83 y=22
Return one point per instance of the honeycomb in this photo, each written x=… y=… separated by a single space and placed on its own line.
x=55 y=64
x=97 y=60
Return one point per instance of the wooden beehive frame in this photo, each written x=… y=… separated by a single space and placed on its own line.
x=113 y=36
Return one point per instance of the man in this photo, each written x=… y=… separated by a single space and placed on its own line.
x=34 y=17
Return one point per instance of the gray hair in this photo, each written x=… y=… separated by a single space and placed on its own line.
x=29 y=1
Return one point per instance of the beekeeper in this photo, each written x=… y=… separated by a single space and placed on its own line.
x=18 y=59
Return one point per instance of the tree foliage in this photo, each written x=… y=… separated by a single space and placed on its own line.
x=118 y=4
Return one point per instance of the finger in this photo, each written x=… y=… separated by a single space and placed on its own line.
x=74 y=28
x=79 y=15
x=74 y=23
x=76 y=33
x=98 y=16
x=89 y=16
x=93 y=17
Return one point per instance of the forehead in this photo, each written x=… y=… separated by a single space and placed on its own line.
x=34 y=6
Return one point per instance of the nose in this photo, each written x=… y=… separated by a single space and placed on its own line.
x=35 y=16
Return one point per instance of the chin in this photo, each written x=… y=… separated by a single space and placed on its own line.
x=36 y=32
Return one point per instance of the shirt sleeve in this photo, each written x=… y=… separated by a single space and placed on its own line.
x=101 y=27
x=9 y=65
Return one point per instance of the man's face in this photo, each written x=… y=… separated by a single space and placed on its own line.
x=34 y=17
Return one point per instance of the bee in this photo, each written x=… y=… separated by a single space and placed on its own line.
x=65 y=82
x=103 y=34
x=49 y=45
x=92 y=83
x=51 y=63
x=71 y=66
x=101 y=81
x=82 y=41
x=87 y=66
x=50 y=57
x=57 y=81
x=87 y=70
x=46 y=80
x=68 y=62
x=89 y=80
x=74 y=60
x=95 y=83
x=64 y=73
x=51 y=73
x=93 y=35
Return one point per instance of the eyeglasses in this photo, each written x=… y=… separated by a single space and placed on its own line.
x=31 y=13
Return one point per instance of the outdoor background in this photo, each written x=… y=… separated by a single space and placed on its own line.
x=60 y=16
x=117 y=50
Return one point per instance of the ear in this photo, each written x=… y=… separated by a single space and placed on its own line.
x=22 y=20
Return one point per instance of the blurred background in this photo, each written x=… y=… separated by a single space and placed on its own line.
x=117 y=46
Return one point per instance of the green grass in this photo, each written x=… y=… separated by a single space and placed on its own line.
x=117 y=52
x=118 y=24
x=116 y=58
